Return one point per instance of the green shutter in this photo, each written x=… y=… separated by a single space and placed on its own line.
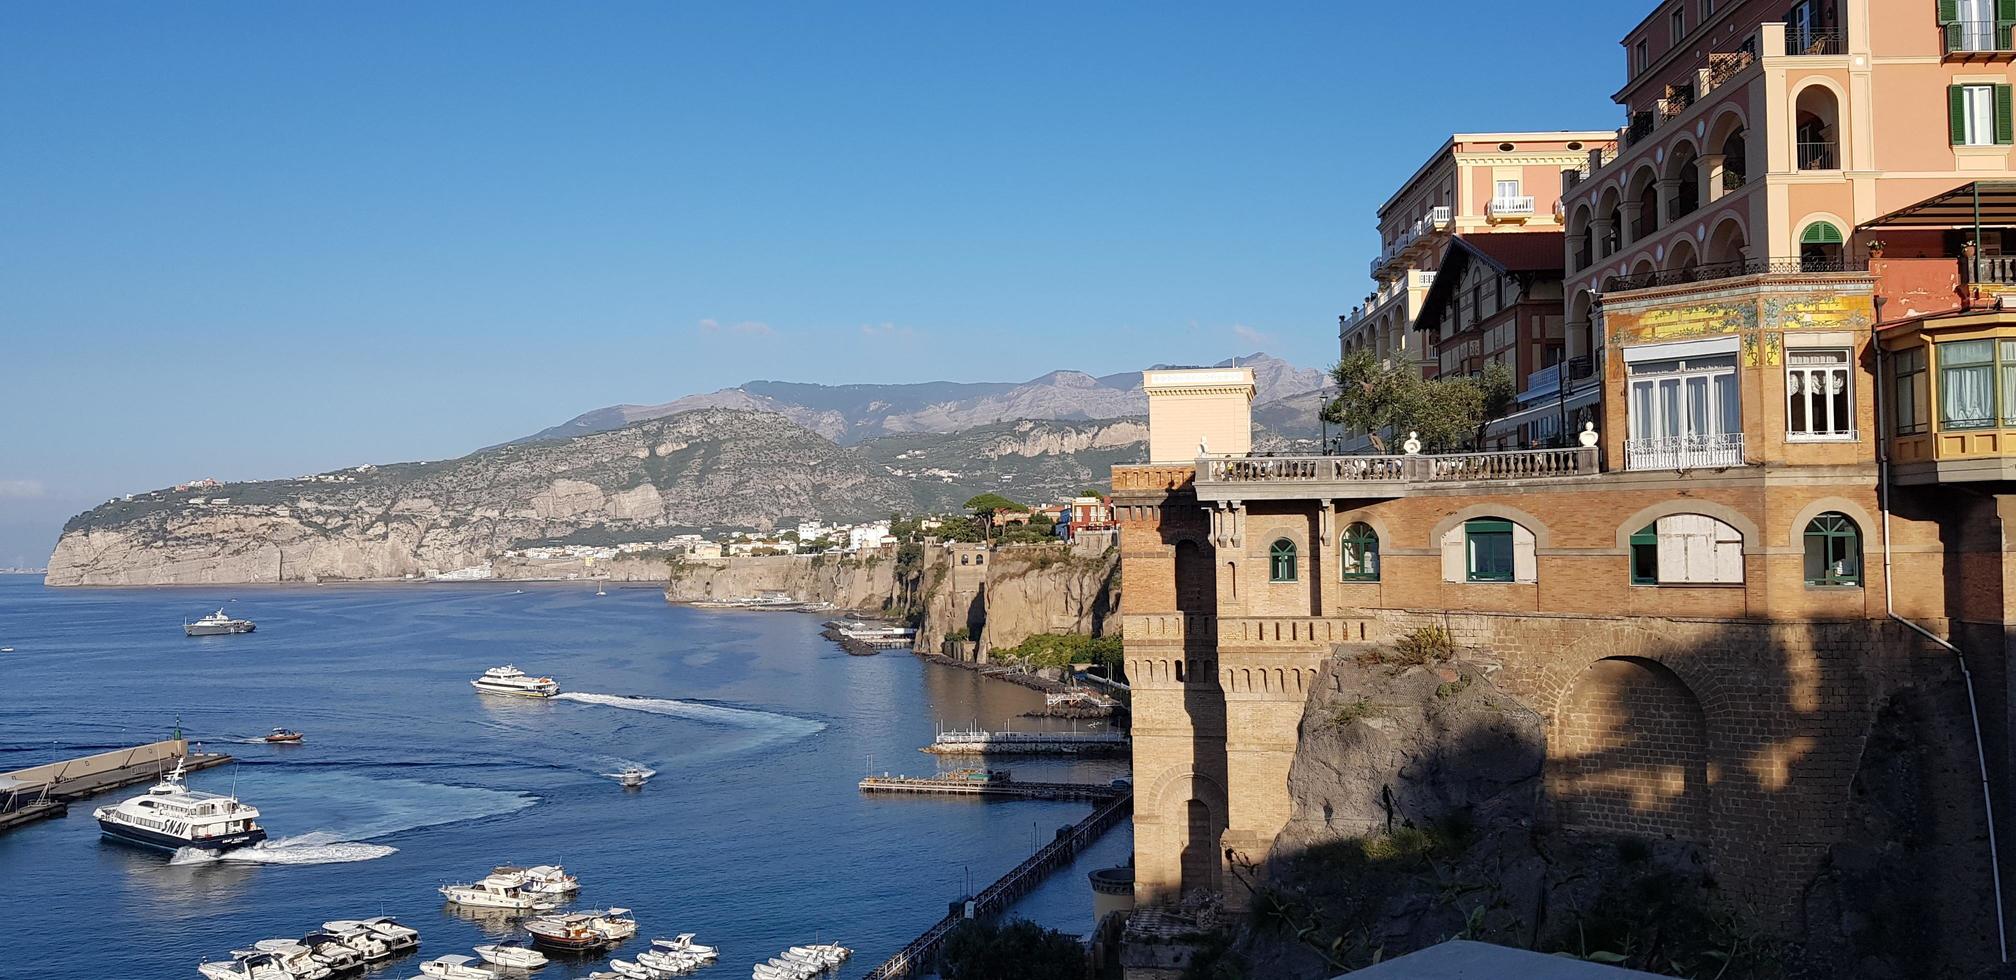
x=2005 y=132
x=1949 y=12
x=1956 y=113
x=1821 y=233
x=2005 y=23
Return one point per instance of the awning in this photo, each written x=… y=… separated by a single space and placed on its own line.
x=1984 y=203
x=1552 y=408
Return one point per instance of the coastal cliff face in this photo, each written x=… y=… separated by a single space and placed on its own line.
x=1018 y=593
x=865 y=584
x=713 y=468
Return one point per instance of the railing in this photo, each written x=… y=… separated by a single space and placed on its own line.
x=1684 y=452
x=1997 y=269
x=1730 y=270
x=1641 y=126
x=1811 y=42
x=1975 y=37
x=1723 y=66
x=1421 y=278
x=1511 y=206
x=1522 y=464
x=1817 y=156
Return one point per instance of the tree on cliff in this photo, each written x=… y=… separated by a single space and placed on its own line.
x=1383 y=402
x=986 y=505
x=1019 y=950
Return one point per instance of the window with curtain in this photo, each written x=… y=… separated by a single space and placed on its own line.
x=1487 y=545
x=2007 y=375
x=1819 y=395
x=1907 y=390
x=1967 y=384
x=1833 y=551
x=1281 y=565
x=1695 y=398
x=1359 y=551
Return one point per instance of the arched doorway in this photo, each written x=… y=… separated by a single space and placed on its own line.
x=1196 y=580
x=1820 y=248
x=1683 y=169
x=1199 y=861
x=1629 y=752
x=1817 y=128
x=1726 y=247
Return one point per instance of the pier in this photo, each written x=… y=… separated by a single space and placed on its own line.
x=1028 y=743
x=1017 y=882
x=940 y=785
x=42 y=791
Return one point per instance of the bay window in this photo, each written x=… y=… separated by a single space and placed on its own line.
x=1907 y=390
x=1684 y=412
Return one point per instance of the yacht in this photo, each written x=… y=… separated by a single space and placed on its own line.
x=542 y=879
x=333 y=951
x=517 y=956
x=456 y=968
x=497 y=891
x=582 y=930
x=253 y=966
x=397 y=938
x=299 y=961
x=217 y=624
x=510 y=680
x=171 y=816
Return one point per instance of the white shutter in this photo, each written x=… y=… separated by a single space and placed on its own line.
x=1728 y=554
x=1525 y=559
x=1453 y=567
x=1696 y=548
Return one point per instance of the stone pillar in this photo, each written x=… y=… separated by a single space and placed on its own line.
x=1601 y=228
x=1710 y=167
x=1667 y=191
x=1631 y=231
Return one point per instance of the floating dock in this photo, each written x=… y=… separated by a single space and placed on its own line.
x=923 y=951
x=951 y=786
x=41 y=791
x=1028 y=743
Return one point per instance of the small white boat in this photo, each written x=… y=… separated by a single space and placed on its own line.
x=397 y=937
x=253 y=966
x=330 y=948
x=632 y=777
x=359 y=937
x=542 y=879
x=456 y=968
x=599 y=590
x=683 y=943
x=635 y=971
x=517 y=956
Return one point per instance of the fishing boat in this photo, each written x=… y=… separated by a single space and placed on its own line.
x=282 y=735
x=582 y=930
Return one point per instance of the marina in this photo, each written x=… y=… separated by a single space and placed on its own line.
x=408 y=779
x=978 y=742
x=949 y=785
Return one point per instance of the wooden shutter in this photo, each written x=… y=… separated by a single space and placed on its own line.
x=1956 y=113
x=1949 y=24
x=2005 y=23
x=2005 y=130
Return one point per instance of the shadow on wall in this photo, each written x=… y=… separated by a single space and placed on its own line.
x=1821 y=817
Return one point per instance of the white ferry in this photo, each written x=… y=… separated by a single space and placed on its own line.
x=171 y=816
x=510 y=680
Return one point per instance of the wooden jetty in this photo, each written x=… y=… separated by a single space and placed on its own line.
x=949 y=786
x=40 y=791
x=923 y=950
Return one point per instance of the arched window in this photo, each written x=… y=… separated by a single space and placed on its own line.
x=1833 y=551
x=1281 y=561
x=1687 y=549
x=1359 y=552
x=1820 y=247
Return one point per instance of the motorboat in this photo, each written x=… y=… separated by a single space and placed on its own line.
x=282 y=735
x=497 y=891
x=330 y=948
x=398 y=938
x=672 y=964
x=515 y=955
x=542 y=879
x=171 y=816
x=217 y=624
x=512 y=681
x=582 y=930
x=456 y=967
x=683 y=943
x=632 y=777
x=298 y=960
x=637 y=971
x=360 y=937
x=249 y=966
x=831 y=952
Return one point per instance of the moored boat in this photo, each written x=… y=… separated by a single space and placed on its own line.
x=542 y=879
x=298 y=960
x=515 y=955
x=456 y=967
x=582 y=930
x=497 y=891
x=250 y=966
x=359 y=937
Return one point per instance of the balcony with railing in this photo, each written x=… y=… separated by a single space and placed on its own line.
x=1425 y=230
x=1510 y=209
x=1306 y=477
x=1811 y=42
x=1819 y=156
x=1713 y=271
x=1684 y=452
x=1975 y=39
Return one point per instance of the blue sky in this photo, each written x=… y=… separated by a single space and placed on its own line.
x=258 y=239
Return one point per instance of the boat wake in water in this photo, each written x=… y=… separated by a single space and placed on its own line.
x=770 y=726
x=353 y=810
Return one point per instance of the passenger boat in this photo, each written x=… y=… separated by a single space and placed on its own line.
x=456 y=968
x=250 y=966
x=542 y=879
x=582 y=930
x=517 y=956
x=282 y=735
x=217 y=624
x=497 y=891
x=170 y=816
x=510 y=680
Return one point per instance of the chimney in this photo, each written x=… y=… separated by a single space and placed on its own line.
x=1195 y=412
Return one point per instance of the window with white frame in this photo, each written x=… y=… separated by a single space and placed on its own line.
x=1692 y=398
x=1977 y=115
x=1507 y=190
x=1819 y=395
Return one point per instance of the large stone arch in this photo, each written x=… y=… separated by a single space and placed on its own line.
x=1628 y=752
x=1194 y=807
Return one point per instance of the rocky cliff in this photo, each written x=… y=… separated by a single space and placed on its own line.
x=866 y=584
x=706 y=469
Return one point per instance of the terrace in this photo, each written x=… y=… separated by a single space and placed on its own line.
x=1244 y=478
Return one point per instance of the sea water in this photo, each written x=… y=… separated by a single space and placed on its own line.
x=753 y=833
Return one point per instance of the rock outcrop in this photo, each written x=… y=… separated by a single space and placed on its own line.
x=865 y=584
